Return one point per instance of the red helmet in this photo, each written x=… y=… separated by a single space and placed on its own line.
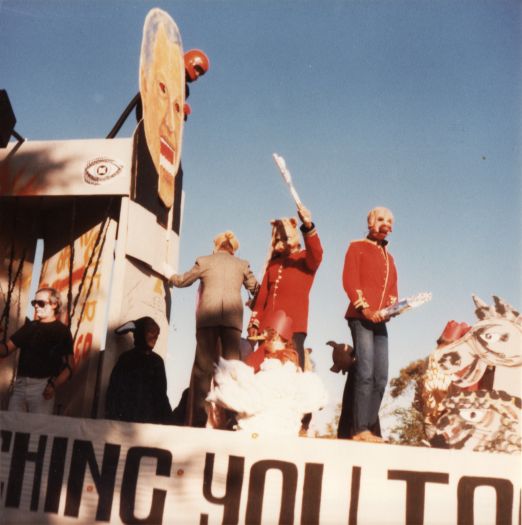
x=196 y=64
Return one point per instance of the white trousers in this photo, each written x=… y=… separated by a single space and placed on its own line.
x=27 y=396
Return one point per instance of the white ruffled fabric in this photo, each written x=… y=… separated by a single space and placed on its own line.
x=273 y=401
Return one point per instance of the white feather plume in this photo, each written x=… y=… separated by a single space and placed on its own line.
x=272 y=400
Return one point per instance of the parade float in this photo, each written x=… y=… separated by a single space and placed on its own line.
x=109 y=212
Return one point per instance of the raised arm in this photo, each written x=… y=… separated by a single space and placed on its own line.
x=313 y=247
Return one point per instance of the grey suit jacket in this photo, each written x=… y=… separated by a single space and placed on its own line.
x=221 y=276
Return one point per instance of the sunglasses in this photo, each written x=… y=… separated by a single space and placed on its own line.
x=39 y=302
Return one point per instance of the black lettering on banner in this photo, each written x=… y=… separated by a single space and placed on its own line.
x=55 y=475
x=83 y=455
x=256 y=490
x=416 y=491
x=130 y=482
x=354 y=495
x=465 y=497
x=312 y=487
x=5 y=438
x=19 y=458
x=232 y=496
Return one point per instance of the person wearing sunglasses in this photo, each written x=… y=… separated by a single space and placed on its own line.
x=46 y=356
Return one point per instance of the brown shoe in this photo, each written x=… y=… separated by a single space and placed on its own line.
x=367 y=437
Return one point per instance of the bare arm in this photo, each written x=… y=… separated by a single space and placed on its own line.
x=60 y=379
x=7 y=348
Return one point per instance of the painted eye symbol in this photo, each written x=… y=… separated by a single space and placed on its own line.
x=473 y=415
x=101 y=170
x=493 y=337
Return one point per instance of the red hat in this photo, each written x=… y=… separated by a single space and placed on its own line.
x=281 y=323
x=452 y=332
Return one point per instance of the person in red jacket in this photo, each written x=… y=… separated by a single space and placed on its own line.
x=288 y=278
x=370 y=281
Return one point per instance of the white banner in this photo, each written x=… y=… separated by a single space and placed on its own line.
x=64 y=470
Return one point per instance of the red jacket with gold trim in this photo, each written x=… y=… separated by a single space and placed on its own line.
x=369 y=277
x=287 y=282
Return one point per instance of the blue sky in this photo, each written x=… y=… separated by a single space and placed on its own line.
x=413 y=105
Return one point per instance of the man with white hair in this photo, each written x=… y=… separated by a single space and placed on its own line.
x=219 y=315
x=370 y=281
x=46 y=356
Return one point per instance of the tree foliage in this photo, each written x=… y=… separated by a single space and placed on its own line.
x=409 y=429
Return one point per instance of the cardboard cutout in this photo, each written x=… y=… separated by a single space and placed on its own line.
x=472 y=387
x=162 y=87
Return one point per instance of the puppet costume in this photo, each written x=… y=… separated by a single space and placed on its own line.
x=219 y=316
x=370 y=281
x=369 y=277
x=222 y=275
x=287 y=282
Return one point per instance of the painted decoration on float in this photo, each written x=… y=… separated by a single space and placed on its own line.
x=472 y=386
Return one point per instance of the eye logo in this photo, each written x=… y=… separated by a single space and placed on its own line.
x=101 y=170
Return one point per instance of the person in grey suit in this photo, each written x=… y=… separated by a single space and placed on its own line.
x=219 y=315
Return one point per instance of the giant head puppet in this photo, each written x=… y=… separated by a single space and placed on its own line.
x=162 y=88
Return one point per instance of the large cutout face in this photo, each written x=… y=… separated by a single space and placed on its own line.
x=162 y=87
